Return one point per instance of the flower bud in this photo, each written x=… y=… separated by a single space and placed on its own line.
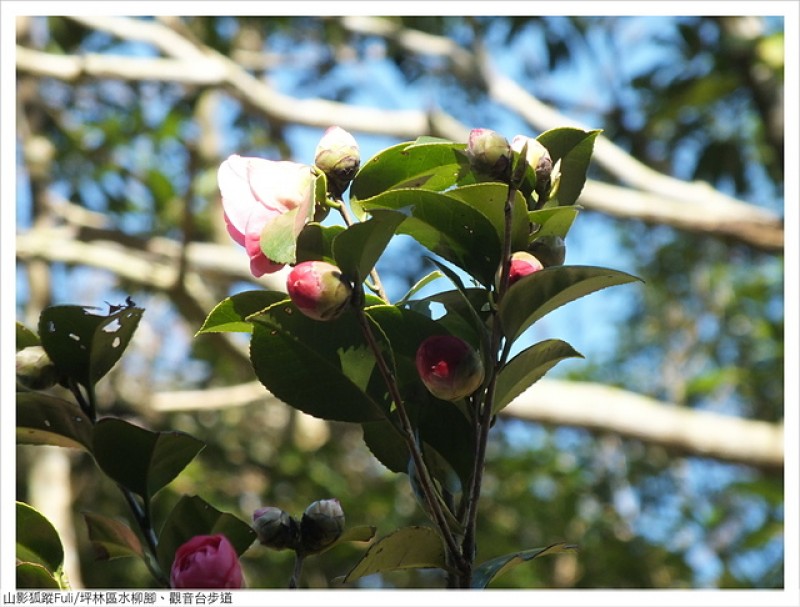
x=538 y=158
x=318 y=289
x=550 y=250
x=35 y=370
x=449 y=367
x=337 y=156
x=489 y=153
x=275 y=528
x=522 y=264
x=206 y=561
x=321 y=525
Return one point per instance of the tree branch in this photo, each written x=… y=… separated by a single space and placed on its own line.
x=594 y=407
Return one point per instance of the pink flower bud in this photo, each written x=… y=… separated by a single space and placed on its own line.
x=337 y=156
x=522 y=264
x=449 y=367
x=318 y=289
x=256 y=191
x=206 y=561
x=489 y=152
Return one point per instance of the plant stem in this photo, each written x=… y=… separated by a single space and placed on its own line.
x=298 y=568
x=484 y=409
x=407 y=431
x=376 y=286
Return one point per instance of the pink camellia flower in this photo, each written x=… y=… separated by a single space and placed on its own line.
x=522 y=264
x=254 y=192
x=206 y=561
x=449 y=367
x=318 y=290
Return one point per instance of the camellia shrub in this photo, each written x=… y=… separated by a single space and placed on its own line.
x=424 y=376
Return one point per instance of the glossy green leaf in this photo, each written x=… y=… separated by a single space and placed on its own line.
x=84 y=345
x=37 y=540
x=110 y=538
x=26 y=337
x=490 y=570
x=528 y=367
x=322 y=368
x=443 y=426
x=553 y=221
x=490 y=200
x=362 y=533
x=193 y=516
x=418 y=286
x=230 y=315
x=535 y=295
x=315 y=242
x=279 y=237
x=430 y=166
x=406 y=548
x=385 y=442
x=31 y=576
x=141 y=460
x=358 y=248
x=446 y=226
x=574 y=148
x=48 y=420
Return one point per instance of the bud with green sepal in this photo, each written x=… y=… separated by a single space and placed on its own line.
x=318 y=289
x=538 y=158
x=338 y=156
x=322 y=524
x=489 y=153
x=276 y=529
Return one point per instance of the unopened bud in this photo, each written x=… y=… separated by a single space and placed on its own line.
x=449 y=367
x=489 y=152
x=35 y=370
x=538 y=158
x=318 y=289
x=321 y=525
x=522 y=264
x=275 y=528
x=338 y=156
x=550 y=250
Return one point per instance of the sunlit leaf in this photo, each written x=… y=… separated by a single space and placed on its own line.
x=358 y=248
x=315 y=242
x=231 y=313
x=37 y=539
x=279 y=237
x=25 y=337
x=574 y=148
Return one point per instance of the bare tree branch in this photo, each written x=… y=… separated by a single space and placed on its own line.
x=653 y=197
x=592 y=406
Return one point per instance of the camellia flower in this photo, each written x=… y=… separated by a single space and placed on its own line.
x=522 y=264
x=206 y=561
x=254 y=192
x=449 y=367
x=318 y=290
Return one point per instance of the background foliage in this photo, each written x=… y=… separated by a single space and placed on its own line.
x=128 y=164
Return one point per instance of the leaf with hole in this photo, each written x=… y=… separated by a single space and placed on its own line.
x=48 y=420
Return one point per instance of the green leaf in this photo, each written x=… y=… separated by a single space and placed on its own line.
x=528 y=367
x=48 y=420
x=537 y=294
x=193 y=516
x=362 y=533
x=35 y=576
x=385 y=442
x=25 y=337
x=419 y=285
x=358 y=248
x=142 y=460
x=574 y=148
x=443 y=426
x=489 y=199
x=488 y=571
x=279 y=237
x=230 y=315
x=37 y=540
x=446 y=226
x=429 y=166
x=111 y=539
x=553 y=221
x=315 y=242
x=84 y=345
x=322 y=368
x=406 y=548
